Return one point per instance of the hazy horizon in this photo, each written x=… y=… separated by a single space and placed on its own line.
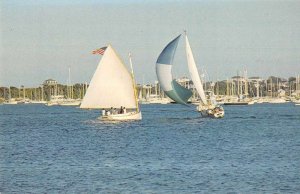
x=41 y=40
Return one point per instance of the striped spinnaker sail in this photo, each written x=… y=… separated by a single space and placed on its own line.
x=171 y=88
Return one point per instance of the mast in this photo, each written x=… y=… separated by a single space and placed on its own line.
x=35 y=94
x=133 y=83
x=257 y=89
x=217 y=88
x=238 y=84
x=9 y=94
x=227 y=89
x=246 y=82
x=23 y=93
x=232 y=87
x=42 y=92
x=271 y=87
x=277 y=88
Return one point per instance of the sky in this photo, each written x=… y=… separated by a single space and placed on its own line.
x=42 y=39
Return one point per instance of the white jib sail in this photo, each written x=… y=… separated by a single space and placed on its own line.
x=111 y=85
x=194 y=72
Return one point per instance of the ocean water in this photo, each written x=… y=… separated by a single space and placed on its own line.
x=253 y=149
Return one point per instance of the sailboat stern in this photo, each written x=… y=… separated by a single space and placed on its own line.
x=211 y=111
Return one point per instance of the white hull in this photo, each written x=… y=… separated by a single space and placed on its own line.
x=144 y=102
x=251 y=102
x=297 y=102
x=122 y=117
x=38 y=102
x=70 y=103
x=23 y=102
x=12 y=102
x=51 y=104
x=277 y=101
x=159 y=101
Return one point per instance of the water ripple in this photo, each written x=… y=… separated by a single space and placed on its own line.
x=253 y=149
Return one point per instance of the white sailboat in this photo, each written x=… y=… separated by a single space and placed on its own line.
x=112 y=89
x=175 y=91
x=207 y=108
x=55 y=100
x=69 y=101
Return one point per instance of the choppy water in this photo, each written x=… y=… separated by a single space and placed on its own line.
x=254 y=149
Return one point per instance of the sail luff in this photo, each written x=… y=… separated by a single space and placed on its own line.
x=194 y=72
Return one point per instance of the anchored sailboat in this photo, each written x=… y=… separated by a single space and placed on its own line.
x=112 y=89
x=175 y=91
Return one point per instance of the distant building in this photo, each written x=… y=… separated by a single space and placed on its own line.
x=50 y=82
x=238 y=78
x=185 y=82
x=255 y=79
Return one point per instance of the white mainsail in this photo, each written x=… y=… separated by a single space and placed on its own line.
x=194 y=72
x=111 y=85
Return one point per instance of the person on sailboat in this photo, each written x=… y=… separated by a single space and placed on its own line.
x=124 y=110
x=111 y=110
x=121 y=110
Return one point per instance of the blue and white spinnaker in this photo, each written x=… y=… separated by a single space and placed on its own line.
x=169 y=85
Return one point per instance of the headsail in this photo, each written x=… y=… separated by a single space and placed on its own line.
x=111 y=85
x=171 y=88
x=194 y=72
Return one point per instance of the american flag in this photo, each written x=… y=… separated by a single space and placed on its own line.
x=99 y=51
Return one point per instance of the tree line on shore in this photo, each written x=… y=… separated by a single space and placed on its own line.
x=42 y=92
x=77 y=91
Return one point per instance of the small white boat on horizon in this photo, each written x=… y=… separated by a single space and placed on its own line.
x=277 y=100
x=11 y=102
x=38 y=102
x=55 y=100
x=70 y=102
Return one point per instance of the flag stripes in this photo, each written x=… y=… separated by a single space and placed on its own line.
x=99 y=51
